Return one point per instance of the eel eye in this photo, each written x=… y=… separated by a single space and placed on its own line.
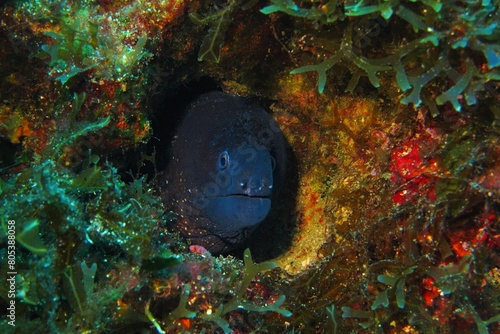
x=223 y=160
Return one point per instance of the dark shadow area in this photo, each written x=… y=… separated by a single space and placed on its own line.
x=8 y=153
x=168 y=111
x=274 y=235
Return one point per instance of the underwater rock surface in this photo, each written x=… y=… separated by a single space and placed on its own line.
x=227 y=165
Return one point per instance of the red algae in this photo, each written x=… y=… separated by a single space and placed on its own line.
x=412 y=177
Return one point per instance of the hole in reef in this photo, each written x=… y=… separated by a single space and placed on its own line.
x=169 y=112
x=8 y=154
x=274 y=235
x=166 y=111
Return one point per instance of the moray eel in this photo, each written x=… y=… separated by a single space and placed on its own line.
x=227 y=163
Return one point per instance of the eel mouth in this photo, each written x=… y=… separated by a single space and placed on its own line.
x=241 y=195
x=237 y=211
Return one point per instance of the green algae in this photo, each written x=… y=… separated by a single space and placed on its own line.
x=56 y=207
x=345 y=53
x=212 y=42
x=238 y=302
x=80 y=46
x=480 y=34
x=218 y=21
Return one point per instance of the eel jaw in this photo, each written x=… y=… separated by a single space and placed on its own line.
x=236 y=212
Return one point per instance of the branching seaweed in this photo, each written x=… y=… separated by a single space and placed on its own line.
x=79 y=205
x=320 y=11
x=479 y=32
x=235 y=303
x=345 y=53
x=218 y=21
x=78 y=47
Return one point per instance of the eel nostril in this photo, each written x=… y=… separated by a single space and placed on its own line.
x=267 y=184
x=254 y=186
x=244 y=183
